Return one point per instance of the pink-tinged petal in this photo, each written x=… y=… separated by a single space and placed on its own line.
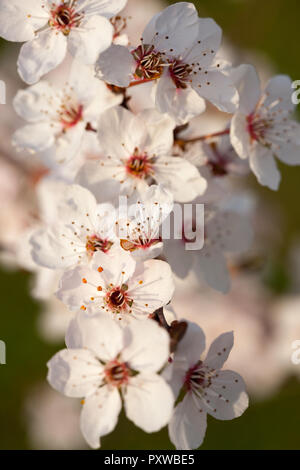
x=99 y=333
x=148 y=402
x=219 y=351
x=226 y=398
x=247 y=82
x=212 y=266
x=180 y=177
x=99 y=415
x=187 y=427
x=34 y=137
x=37 y=103
x=42 y=54
x=191 y=347
x=116 y=65
x=151 y=287
x=19 y=21
x=175 y=28
x=68 y=144
x=147 y=346
x=239 y=135
x=181 y=104
x=75 y=372
x=263 y=165
x=85 y=46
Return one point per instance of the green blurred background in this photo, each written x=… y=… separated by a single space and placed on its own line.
x=270 y=27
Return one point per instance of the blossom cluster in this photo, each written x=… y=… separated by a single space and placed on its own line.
x=112 y=273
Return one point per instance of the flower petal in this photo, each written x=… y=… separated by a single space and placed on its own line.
x=99 y=333
x=85 y=46
x=219 y=351
x=18 y=22
x=263 y=165
x=42 y=54
x=100 y=414
x=116 y=65
x=187 y=427
x=147 y=346
x=34 y=137
x=75 y=372
x=247 y=82
x=148 y=402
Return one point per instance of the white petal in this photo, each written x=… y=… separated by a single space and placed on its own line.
x=239 y=135
x=180 y=177
x=263 y=165
x=37 y=102
x=289 y=153
x=226 y=398
x=191 y=346
x=18 y=22
x=100 y=414
x=116 y=66
x=107 y=8
x=147 y=346
x=181 y=104
x=120 y=132
x=212 y=265
x=217 y=87
x=42 y=54
x=152 y=286
x=68 y=144
x=219 y=351
x=148 y=402
x=85 y=46
x=160 y=129
x=99 y=333
x=279 y=93
x=121 y=266
x=75 y=372
x=246 y=80
x=177 y=28
x=34 y=137
x=187 y=427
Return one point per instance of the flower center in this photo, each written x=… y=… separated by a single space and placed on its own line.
x=70 y=115
x=180 y=73
x=139 y=243
x=138 y=165
x=94 y=243
x=149 y=63
x=117 y=373
x=118 y=300
x=258 y=127
x=198 y=377
x=64 y=18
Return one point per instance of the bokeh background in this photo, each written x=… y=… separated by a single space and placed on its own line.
x=265 y=33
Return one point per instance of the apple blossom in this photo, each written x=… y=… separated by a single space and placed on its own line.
x=59 y=118
x=178 y=50
x=262 y=127
x=51 y=27
x=118 y=286
x=104 y=362
x=207 y=388
x=137 y=151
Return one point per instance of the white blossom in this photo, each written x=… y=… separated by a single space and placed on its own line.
x=50 y=28
x=104 y=362
x=208 y=389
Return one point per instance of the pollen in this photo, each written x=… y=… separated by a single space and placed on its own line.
x=82 y=307
x=99 y=288
x=84 y=281
x=100 y=269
